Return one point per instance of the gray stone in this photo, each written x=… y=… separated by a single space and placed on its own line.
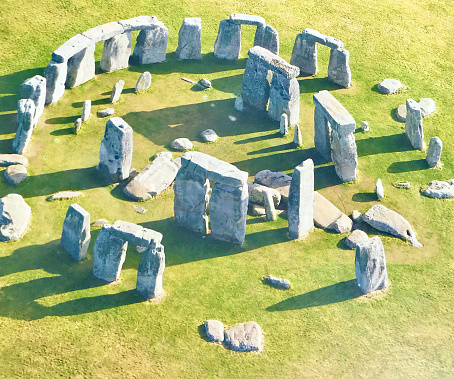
x=434 y=151
x=268 y=38
x=284 y=98
x=228 y=41
x=355 y=238
x=315 y=36
x=300 y=209
x=35 y=89
x=379 y=190
x=81 y=67
x=277 y=180
x=274 y=281
x=209 y=135
x=328 y=216
x=247 y=19
x=270 y=211
x=402 y=185
x=12 y=159
x=181 y=144
x=100 y=222
x=115 y=153
x=25 y=114
x=256 y=210
x=106 y=112
x=135 y=234
x=239 y=105
x=389 y=86
x=255 y=87
x=153 y=179
x=344 y=155
x=356 y=217
x=283 y=124
x=75 y=237
x=103 y=32
x=204 y=83
x=297 y=137
x=86 y=110
x=164 y=154
x=440 y=190
x=304 y=55
x=370 y=266
x=55 y=74
x=71 y=47
x=63 y=195
x=413 y=125
x=116 y=91
x=77 y=125
x=144 y=82
x=138 y=23
x=15 y=215
x=427 y=106
x=150 y=272
x=151 y=44
x=339 y=69
x=401 y=113
x=15 y=174
x=364 y=126
x=116 y=52
x=190 y=39
x=246 y=336
x=139 y=210
x=388 y=221
x=214 y=330
x=257 y=194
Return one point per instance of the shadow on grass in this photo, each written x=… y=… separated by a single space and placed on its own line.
x=313 y=85
x=6 y=146
x=364 y=197
x=8 y=123
x=228 y=84
x=414 y=165
x=61 y=120
x=80 y=104
x=335 y=293
x=62 y=132
x=384 y=144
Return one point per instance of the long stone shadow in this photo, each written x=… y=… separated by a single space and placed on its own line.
x=335 y=293
x=9 y=84
x=313 y=85
x=385 y=144
x=229 y=84
x=8 y=123
x=414 y=165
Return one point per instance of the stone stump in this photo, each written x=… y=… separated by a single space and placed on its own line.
x=413 y=125
x=151 y=44
x=55 y=74
x=116 y=53
x=35 y=89
x=228 y=41
x=76 y=236
x=190 y=39
x=338 y=69
x=25 y=114
x=283 y=124
x=150 y=272
x=81 y=67
x=434 y=151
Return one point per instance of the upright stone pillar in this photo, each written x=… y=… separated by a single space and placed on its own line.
x=284 y=98
x=75 y=236
x=55 y=74
x=151 y=45
x=268 y=38
x=150 y=272
x=304 y=55
x=228 y=211
x=434 y=151
x=228 y=41
x=190 y=39
x=322 y=132
x=339 y=69
x=81 y=67
x=413 y=125
x=344 y=155
x=300 y=207
x=35 y=88
x=25 y=115
x=116 y=53
x=255 y=88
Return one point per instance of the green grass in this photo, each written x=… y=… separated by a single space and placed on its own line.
x=57 y=320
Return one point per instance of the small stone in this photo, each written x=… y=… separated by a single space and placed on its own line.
x=239 y=105
x=257 y=194
x=355 y=238
x=389 y=86
x=246 y=336
x=356 y=216
x=116 y=91
x=100 y=222
x=364 y=126
x=165 y=154
x=64 y=195
x=77 y=125
x=232 y=118
x=209 y=135
x=434 y=151
x=297 y=137
x=144 y=82
x=139 y=210
x=106 y=112
x=15 y=174
x=204 y=83
x=257 y=210
x=440 y=190
x=12 y=159
x=379 y=190
x=283 y=125
x=181 y=144
x=427 y=106
x=402 y=185
x=15 y=215
x=401 y=113
x=86 y=110
x=274 y=281
x=214 y=330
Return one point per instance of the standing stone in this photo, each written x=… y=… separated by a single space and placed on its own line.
x=144 y=82
x=283 y=125
x=267 y=37
x=115 y=153
x=228 y=41
x=239 y=105
x=255 y=88
x=297 y=137
x=304 y=55
x=413 y=125
x=86 y=110
x=25 y=114
x=81 y=67
x=379 y=190
x=77 y=125
x=15 y=174
x=75 y=236
x=344 y=155
x=370 y=266
x=55 y=74
x=284 y=98
x=35 y=89
x=270 y=211
x=364 y=126
x=151 y=44
x=150 y=272
x=434 y=151
x=338 y=69
x=300 y=209
x=117 y=50
x=190 y=39
x=209 y=135
x=116 y=91
x=15 y=215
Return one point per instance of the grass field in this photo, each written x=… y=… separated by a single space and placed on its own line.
x=57 y=320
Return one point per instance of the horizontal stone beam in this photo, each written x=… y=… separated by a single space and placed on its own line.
x=135 y=234
x=71 y=47
x=323 y=39
x=247 y=19
x=273 y=62
x=336 y=111
x=104 y=32
x=138 y=23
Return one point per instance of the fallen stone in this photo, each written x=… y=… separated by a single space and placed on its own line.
x=144 y=82
x=427 y=106
x=389 y=86
x=379 y=190
x=259 y=210
x=139 y=209
x=401 y=113
x=181 y=144
x=364 y=126
x=440 y=190
x=190 y=39
x=388 y=221
x=150 y=272
x=64 y=195
x=283 y=124
x=402 y=185
x=277 y=180
x=239 y=105
x=15 y=174
x=214 y=330
x=246 y=336
x=204 y=83
x=77 y=125
x=434 y=151
x=100 y=222
x=209 y=135
x=86 y=110
x=355 y=238
x=257 y=194
x=356 y=216
x=116 y=91
x=106 y=112
x=327 y=216
x=75 y=237
x=297 y=137
x=15 y=215
x=164 y=154
x=12 y=159
x=274 y=281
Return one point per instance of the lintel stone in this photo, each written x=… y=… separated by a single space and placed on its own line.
x=247 y=19
x=336 y=111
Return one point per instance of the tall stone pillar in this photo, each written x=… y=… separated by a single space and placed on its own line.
x=304 y=55
x=339 y=69
x=75 y=236
x=81 y=67
x=344 y=155
x=190 y=39
x=24 y=132
x=267 y=37
x=228 y=41
x=413 y=125
x=34 y=88
x=322 y=132
x=150 y=272
x=151 y=44
x=255 y=88
x=55 y=74
x=284 y=98
x=116 y=53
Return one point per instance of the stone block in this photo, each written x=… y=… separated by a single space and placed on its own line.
x=75 y=237
x=190 y=39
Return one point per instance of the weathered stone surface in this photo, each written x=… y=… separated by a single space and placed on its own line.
x=356 y=216
x=328 y=216
x=35 y=89
x=228 y=41
x=151 y=44
x=100 y=222
x=214 y=330
x=257 y=194
x=379 y=190
x=181 y=144
x=190 y=39
x=427 y=106
x=402 y=185
x=139 y=210
x=440 y=190
x=55 y=74
x=274 y=281
x=103 y=32
x=255 y=88
x=86 y=110
x=246 y=336
x=116 y=52
x=228 y=210
x=270 y=211
x=209 y=135
x=164 y=154
x=76 y=236
x=115 y=153
x=81 y=67
x=247 y=19
x=401 y=113
x=144 y=82
x=25 y=115
x=315 y=36
x=77 y=125
x=434 y=151
x=239 y=105
x=116 y=91
x=277 y=180
x=106 y=112
x=388 y=221
x=283 y=124
x=268 y=38
x=284 y=98
x=204 y=83
x=153 y=179
x=413 y=125
x=135 y=234
x=300 y=209
x=15 y=174
x=339 y=69
x=304 y=55
x=355 y=238
x=297 y=137
x=389 y=86
x=150 y=272
x=12 y=159
x=344 y=155
x=364 y=126
x=370 y=266
x=138 y=23
x=15 y=215
x=71 y=47
x=64 y=195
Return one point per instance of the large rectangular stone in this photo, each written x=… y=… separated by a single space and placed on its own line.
x=138 y=23
x=71 y=47
x=339 y=116
x=273 y=62
x=104 y=32
x=135 y=234
x=247 y=19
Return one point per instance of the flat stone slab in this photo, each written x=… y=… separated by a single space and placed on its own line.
x=135 y=234
x=274 y=281
x=440 y=190
x=328 y=216
x=247 y=19
x=214 y=330
x=336 y=111
x=104 y=32
x=389 y=86
x=401 y=113
x=209 y=135
x=138 y=23
x=246 y=336
x=106 y=112
x=12 y=159
x=427 y=106
x=100 y=222
x=402 y=185
x=356 y=237
x=181 y=144
x=273 y=62
x=315 y=36
x=15 y=215
x=64 y=195
x=15 y=174
x=257 y=194
x=71 y=47
x=277 y=180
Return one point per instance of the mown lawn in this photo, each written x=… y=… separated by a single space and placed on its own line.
x=57 y=320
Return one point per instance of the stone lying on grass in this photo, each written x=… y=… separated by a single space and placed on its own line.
x=260 y=210
x=355 y=238
x=15 y=174
x=389 y=86
x=214 y=330
x=181 y=144
x=15 y=215
x=204 y=83
x=166 y=154
x=427 y=107
x=12 y=159
x=257 y=194
x=64 y=195
x=402 y=185
x=277 y=180
x=246 y=336
x=327 y=216
x=144 y=82
x=209 y=135
x=388 y=221
x=76 y=236
x=274 y=281
x=440 y=190
x=106 y=112
x=100 y=222
x=364 y=126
